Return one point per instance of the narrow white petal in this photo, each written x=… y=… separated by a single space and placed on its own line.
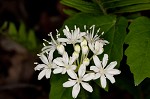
x=103 y=81
x=57 y=70
x=58 y=61
x=41 y=74
x=72 y=74
x=67 y=33
x=64 y=70
x=114 y=71
x=97 y=46
x=81 y=70
x=94 y=68
x=62 y=40
x=105 y=60
x=65 y=58
x=97 y=62
x=91 y=46
x=86 y=86
x=44 y=59
x=50 y=56
x=40 y=66
x=48 y=73
x=100 y=51
x=88 y=77
x=110 y=77
x=69 y=83
x=111 y=65
x=75 y=90
x=73 y=67
x=97 y=75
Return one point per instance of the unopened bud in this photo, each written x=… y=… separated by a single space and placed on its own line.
x=60 y=49
x=75 y=55
x=86 y=61
x=84 y=42
x=77 y=48
x=85 y=49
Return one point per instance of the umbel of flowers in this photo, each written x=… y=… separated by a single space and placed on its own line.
x=87 y=46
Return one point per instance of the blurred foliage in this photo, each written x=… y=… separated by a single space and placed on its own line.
x=21 y=35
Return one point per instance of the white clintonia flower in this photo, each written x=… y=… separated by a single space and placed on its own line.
x=80 y=79
x=46 y=67
x=92 y=37
x=102 y=71
x=53 y=45
x=96 y=47
x=64 y=64
x=72 y=37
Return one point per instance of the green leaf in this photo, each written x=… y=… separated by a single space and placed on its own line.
x=12 y=30
x=57 y=90
x=31 y=40
x=115 y=31
x=22 y=32
x=138 y=52
x=122 y=3
x=134 y=8
x=82 y=6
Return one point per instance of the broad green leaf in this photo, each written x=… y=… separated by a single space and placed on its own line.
x=69 y=12
x=57 y=90
x=134 y=8
x=12 y=31
x=22 y=32
x=115 y=31
x=31 y=40
x=82 y=6
x=138 y=52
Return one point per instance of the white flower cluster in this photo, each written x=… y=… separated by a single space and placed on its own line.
x=87 y=47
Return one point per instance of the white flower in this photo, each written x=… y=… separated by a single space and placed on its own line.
x=46 y=67
x=90 y=36
x=72 y=36
x=104 y=71
x=53 y=45
x=96 y=47
x=80 y=79
x=64 y=64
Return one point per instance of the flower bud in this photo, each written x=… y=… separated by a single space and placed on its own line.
x=60 y=49
x=75 y=55
x=77 y=48
x=85 y=49
x=86 y=61
x=84 y=42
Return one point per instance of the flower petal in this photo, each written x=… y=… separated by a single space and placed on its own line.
x=86 y=86
x=40 y=66
x=94 y=68
x=48 y=73
x=103 y=81
x=75 y=90
x=88 y=77
x=111 y=65
x=97 y=62
x=57 y=70
x=97 y=75
x=72 y=74
x=81 y=70
x=41 y=74
x=105 y=60
x=65 y=58
x=73 y=67
x=58 y=61
x=114 y=71
x=44 y=58
x=69 y=83
x=62 y=40
x=50 y=56
x=110 y=77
